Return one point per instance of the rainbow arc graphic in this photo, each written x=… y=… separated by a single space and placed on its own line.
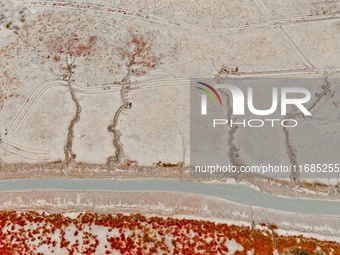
x=212 y=93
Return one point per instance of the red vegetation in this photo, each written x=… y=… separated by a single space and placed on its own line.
x=26 y=232
x=70 y=45
x=49 y=40
x=9 y=83
x=168 y=164
x=139 y=54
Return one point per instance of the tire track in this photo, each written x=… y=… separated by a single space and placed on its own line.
x=284 y=35
x=30 y=102
x=150 y=84
x=297 y=51
x=20 y=117
x=19 y=150
x=272 y=23
x=33 y=99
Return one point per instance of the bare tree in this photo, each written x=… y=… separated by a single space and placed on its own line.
x=70 y=48
x=140 y=58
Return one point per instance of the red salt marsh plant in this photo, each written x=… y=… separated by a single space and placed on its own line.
x=32 y=232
